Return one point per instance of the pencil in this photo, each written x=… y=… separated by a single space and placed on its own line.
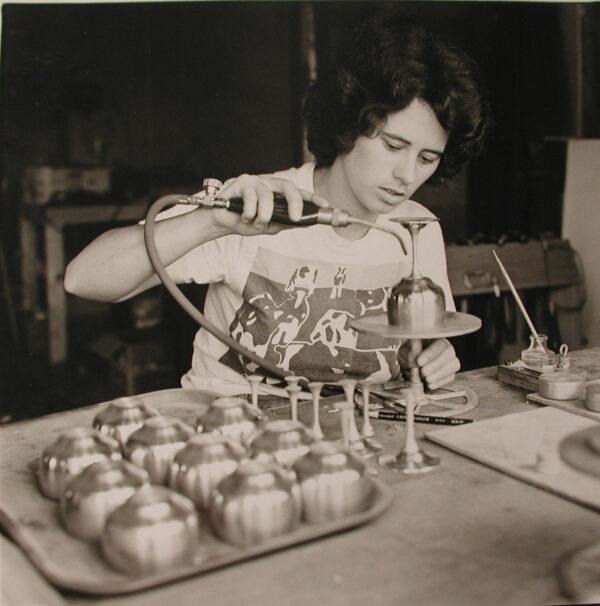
x=388 y=415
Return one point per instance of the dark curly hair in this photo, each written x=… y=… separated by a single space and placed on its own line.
x=385 y=65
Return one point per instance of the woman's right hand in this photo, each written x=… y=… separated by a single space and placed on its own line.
x=257 y=192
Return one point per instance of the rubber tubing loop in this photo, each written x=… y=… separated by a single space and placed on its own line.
x=184 y=302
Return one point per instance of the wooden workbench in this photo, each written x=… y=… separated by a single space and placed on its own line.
x=461 y=535
x=54 y=220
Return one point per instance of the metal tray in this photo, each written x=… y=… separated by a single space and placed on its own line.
x=33 y=523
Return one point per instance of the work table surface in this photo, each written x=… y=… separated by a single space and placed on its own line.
x=462 y=534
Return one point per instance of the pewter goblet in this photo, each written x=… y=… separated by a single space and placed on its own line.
x=416 y=311
x=122 y=417
x=72 y=452
x=363 y=446
x=411 y=458
x=333 y=482
x=94 y=493
x=202 y=463
x=416 y=301
x=232 y=417
x=254 y=503
x=284 y=440
x=154 y=445
x=154 y=530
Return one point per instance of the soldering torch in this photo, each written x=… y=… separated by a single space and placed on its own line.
x=311 y=213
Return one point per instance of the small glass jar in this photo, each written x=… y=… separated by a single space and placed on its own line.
x=538 y=356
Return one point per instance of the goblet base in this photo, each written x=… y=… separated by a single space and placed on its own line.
x=366 y=447
x=410 y=462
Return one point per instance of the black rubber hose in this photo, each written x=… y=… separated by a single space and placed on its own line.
x=187 y=305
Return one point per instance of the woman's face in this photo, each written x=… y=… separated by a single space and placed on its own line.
x=383 y=170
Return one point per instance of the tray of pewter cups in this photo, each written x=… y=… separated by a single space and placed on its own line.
x=149 y=489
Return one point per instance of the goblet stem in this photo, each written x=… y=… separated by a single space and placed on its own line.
x=293 y=391
x=414 y=236
x=364 y=447
x=410 y=444
x=345 y=412
x=254 y=381
x=411 y=459
x=349 y=385
x=315 y=389
x=416 y=347
x=367 y=429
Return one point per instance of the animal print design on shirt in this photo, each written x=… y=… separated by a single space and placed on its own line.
x=303 y=324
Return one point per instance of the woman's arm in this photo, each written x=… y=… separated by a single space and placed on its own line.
x=115 y=266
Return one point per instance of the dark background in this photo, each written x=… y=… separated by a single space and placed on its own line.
x=167 y=94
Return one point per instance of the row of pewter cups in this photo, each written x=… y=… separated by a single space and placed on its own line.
x=128 y=428
x=194 y=470
x=157 y=528
x=144 y=528
x=150 y=441
x=239 y=512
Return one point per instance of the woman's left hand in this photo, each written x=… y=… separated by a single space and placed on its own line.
x=437 y=362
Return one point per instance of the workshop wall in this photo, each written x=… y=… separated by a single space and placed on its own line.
x=196 y=87
x=160 y=94
x=164 y=94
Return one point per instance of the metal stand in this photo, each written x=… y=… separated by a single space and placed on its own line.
x=411 y=459
x=416 y=306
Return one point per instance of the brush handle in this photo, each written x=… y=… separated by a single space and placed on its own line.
x=516 y=296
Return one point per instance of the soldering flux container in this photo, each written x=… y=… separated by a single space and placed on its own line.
x=285 y=440
x=154 y=445
x=69 y=454
x=94 y=493
x=122 y=417
x=333 y=482
x=202 y=463
x=253 y=504
x=232 y=417
x=561 y=385
x=154 y=530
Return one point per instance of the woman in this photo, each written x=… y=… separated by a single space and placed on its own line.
x=400 y=108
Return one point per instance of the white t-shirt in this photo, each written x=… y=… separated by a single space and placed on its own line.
x=290 y=297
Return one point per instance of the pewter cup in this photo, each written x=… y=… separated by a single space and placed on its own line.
x=122 y=417
x=94 y=493
x=154 y=445
x=72 y=451
x=416 y=302
x=285 y=440
x=202 y=464
x=153 y=530
x=333 y=482
x=232 y=417
x=253 y=504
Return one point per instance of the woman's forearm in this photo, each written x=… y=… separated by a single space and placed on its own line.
x=115 y=265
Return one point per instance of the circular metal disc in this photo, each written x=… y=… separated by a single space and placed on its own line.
x=454 y=323
x=580 y=450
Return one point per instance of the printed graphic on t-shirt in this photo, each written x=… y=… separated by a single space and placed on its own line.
x=297 y=315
